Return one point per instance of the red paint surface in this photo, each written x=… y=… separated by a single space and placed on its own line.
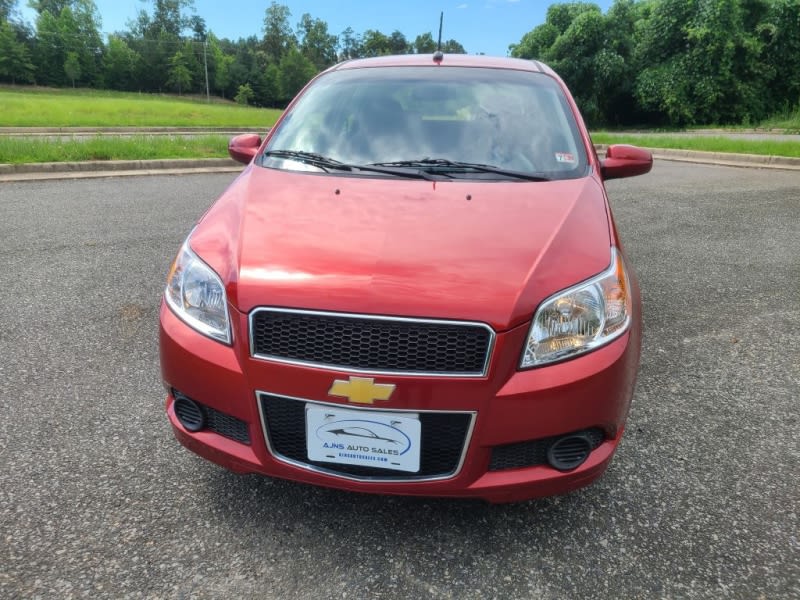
x=391 y=246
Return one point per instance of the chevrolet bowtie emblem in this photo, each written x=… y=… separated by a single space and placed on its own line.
x=361 y=390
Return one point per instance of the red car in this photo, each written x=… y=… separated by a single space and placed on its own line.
x=414 y=287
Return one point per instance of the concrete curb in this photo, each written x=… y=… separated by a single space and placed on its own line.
x=122 y=130
x=115 y=168
x=115 y=165
x=127 y=168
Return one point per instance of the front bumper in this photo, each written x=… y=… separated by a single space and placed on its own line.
x=592 y=391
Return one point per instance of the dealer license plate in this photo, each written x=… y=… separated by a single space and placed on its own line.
x=383 y=440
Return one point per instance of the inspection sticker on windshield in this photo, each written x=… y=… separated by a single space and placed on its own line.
x=384 y=440
x=565 y=157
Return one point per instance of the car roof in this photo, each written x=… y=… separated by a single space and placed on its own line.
x=448 y=60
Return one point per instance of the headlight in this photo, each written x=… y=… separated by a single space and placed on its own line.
x=580 y=318
x=196 y=294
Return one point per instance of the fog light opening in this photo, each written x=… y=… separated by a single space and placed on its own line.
x=189 y=413
x=569 y=452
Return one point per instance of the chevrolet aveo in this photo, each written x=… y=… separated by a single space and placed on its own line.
x=414 y=287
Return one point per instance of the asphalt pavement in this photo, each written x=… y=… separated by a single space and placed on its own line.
x=97 y=499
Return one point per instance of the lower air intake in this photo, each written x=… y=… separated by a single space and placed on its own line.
x=196 y=417
x=538 y=452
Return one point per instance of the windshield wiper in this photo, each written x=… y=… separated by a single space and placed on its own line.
x=311 y=158
x=327 y=164
x=444 y=165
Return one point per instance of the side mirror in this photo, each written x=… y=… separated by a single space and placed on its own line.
x=243 y=148
x=623 y=160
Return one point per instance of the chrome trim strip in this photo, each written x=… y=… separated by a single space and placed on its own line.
x=346 y=369
x=315 y=469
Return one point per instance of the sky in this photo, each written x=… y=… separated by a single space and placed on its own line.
x=486 y=26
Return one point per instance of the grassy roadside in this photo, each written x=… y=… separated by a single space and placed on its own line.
x=703 y=143
x=37 y=150
x=17 y=150
x=47 y=107
x=789 y=121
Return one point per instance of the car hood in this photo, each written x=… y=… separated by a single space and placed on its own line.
x=467 y=250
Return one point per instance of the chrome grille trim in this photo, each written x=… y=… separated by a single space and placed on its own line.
x=345 y=368
x=315 y=469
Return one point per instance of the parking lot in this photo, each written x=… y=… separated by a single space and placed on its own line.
x=98 y=499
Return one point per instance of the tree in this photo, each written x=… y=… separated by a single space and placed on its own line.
x=245 y=94
x=703 y=61
x=424 y=44
x=155 y=39
x=316 y=44
x=453 y=47
x=350 y=44
x=72 y=67
x=6 y=8
x=278 y=35
x=398 y=44
x=780 y=32
x=536 y=43
x=15 y=58
x=180 y=77
x=64 y=26
x=119 y=64
x=220 y=75
x=374 y=43
x=295 y=71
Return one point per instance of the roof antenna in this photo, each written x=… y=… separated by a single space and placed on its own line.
x=439 y=55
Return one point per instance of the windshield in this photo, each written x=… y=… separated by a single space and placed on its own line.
x=438 y=120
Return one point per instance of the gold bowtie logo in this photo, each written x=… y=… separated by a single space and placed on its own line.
x=361 y=390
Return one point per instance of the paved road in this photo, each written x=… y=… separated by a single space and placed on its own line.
x=98 y=500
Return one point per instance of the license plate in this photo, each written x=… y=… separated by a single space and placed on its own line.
x=383 y=440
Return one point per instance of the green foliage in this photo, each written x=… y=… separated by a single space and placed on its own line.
x=15 y=57
x=72 y=67
x=673 y=62
x=664 y=62
x=120 y=64
x=316 y=44
x=375 y=43
x=169 y=48
x=705 y=63
x=65 y=27
x=180 y=77
x=295 y=71
x=244 y=95
x=424 y=44
x=589 y=51
x=453 y=47
x=349 y=45
x=278 y=35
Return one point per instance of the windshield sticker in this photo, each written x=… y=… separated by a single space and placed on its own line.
x=565 y=157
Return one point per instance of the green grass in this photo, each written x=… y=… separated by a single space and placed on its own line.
x=37 y=150
x=790 y=121
x=702 y=143
x=48 y=107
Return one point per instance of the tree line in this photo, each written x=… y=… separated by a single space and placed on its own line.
x=169 y=48
x=674 y=62
x=658 y=62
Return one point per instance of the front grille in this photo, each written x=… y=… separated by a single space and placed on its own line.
x=442 y=443
x=373 y=344
x=218 y=422
x=534 y=452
